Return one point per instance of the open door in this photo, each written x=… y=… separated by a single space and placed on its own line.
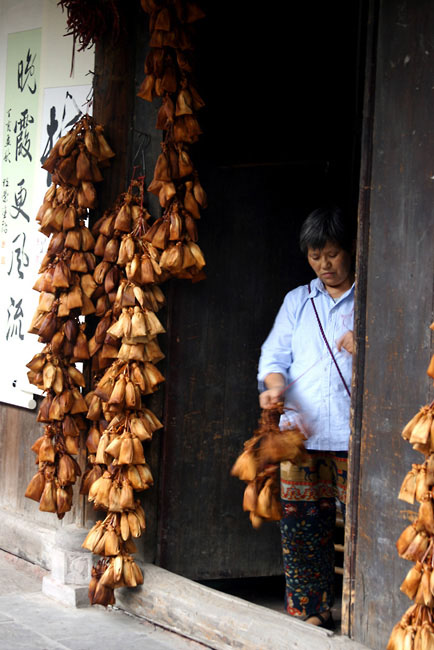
x=281 y=137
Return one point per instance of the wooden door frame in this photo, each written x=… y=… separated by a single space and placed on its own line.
x=362 y=253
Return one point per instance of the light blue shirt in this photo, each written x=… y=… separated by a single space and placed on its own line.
x=316 y=398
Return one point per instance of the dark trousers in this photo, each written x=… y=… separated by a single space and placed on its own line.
x=309 y=497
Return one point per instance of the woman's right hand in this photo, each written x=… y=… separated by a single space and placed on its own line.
x=270 y=397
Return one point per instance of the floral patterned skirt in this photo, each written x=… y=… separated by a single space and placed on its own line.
x=309 y=495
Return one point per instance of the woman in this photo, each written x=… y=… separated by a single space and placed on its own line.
x=308 y=357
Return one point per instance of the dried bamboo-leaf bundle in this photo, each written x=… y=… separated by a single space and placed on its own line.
x=168 y=69
x=258 y=465
x=66 y=291
x=124 y=350
x=414 y=630
x=133 y=255
x=416 y=542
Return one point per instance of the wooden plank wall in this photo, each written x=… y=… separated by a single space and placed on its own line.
x=18 y=431
x=216 y=328
x=368 y=54
x=399 y=305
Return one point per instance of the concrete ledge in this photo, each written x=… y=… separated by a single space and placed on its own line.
x=218 y=620
x=71 y=595
x=26 y=539
x=71 y=564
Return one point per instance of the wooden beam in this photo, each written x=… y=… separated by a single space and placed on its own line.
x=351 y=527
x=114 y=97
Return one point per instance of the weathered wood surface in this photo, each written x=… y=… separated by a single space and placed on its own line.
x=368 y=38
x=19 y=430
x=216 y=328
x=221 y=621
x=114 y=97
x=25 y=531
x=399 y=306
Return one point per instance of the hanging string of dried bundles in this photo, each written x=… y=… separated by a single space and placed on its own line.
x=416 y=543
x=169 y=76
x=124 y=351
x=414 y=631
x=138 y=254
x=66 y=292
x=258 y=465
x=126 y=286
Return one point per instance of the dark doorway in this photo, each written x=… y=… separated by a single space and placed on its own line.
x=281 y=137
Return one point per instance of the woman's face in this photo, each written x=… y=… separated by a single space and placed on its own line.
x=333 y=265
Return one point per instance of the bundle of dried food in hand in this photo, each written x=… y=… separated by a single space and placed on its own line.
x=276 y=444
x=262 y=496
x=258 y=464
x=66 y=289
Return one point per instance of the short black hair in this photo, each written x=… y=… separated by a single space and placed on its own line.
x=326 y=225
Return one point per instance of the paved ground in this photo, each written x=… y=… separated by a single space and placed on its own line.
x=31 y=621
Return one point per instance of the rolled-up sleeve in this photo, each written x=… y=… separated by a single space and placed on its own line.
x=276 y=352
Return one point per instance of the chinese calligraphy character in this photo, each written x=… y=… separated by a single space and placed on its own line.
x=67 y=109
x=6 y=152
x=4 y=223
x=20 y=199
x=51 y=130
x=5 y=193
x=25 y=71
x=68 y=116
x=21 y=257
x=23 y=143
x=15 y=315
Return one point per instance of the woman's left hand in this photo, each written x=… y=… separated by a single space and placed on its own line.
x=346 y=341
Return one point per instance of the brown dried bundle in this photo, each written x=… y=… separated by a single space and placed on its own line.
x=257 y=465
x=408 y=487
x=66 y=286
x=279 y=446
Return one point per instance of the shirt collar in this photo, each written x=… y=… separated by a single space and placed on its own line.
x=317 y=286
